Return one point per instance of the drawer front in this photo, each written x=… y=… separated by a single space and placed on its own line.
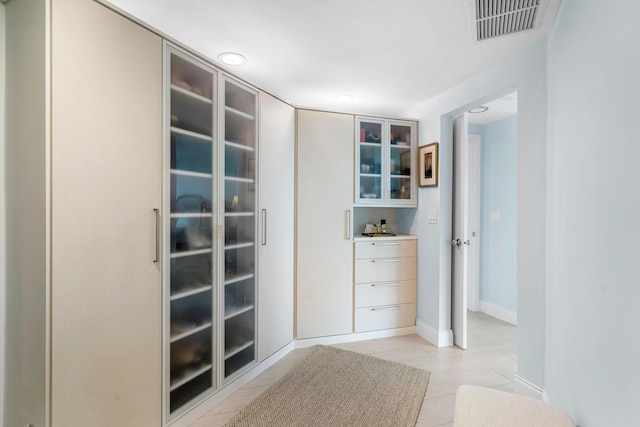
x=385 y=249
x=385 y=293
x=384 y=270
x=386 y=317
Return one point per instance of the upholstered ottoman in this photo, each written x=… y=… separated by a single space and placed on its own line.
x=480 y=406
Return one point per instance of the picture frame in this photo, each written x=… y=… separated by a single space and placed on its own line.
x=428 y=165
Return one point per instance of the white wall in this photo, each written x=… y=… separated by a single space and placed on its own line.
x=2 y=228
x=593 y=256
x=526 y=72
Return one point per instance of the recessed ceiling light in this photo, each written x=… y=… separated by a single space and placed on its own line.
x=480 y=109
x=232 y=58
x=344 y=98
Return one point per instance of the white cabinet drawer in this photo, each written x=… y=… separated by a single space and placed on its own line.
x=385 y=269
x=385 y=249
x=385 y=293
x=386 y=317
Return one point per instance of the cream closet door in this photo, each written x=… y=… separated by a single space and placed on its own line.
x=106 y=180
x=324 y=237
x=276 y=251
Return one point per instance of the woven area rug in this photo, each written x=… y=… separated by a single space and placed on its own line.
x=333 y=387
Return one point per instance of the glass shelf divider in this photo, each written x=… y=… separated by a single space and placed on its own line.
x=238 y=113
x=236 y=350
x=189 y=253
x=191 y=94
x=191 y=332
x=190 y=292
x=239 y=312
x=192 y=134
x=190 y=377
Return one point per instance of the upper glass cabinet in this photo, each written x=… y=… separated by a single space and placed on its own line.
x=385 y=159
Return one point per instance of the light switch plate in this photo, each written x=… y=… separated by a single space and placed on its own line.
x=495 y=216
x=433 y=216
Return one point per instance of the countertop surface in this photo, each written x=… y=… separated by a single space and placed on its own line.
x=360 y=238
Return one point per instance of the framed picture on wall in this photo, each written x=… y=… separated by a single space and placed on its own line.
x=428 y=165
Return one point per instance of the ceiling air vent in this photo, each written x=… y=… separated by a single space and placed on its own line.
x=495 y=18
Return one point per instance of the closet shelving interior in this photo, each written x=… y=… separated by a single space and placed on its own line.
x=211 y=192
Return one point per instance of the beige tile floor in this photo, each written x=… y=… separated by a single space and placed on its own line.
x=489 y=361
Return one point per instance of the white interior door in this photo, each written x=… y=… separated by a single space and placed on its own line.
x=473 y=289
x=460 y=234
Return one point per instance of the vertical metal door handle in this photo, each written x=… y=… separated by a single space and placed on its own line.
x=157 y=254
x=348 y=224
x=264 y=226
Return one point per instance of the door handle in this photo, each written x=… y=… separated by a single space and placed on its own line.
x=347 y=228
x=456 y=242
x=264 y=227
x=156 y=258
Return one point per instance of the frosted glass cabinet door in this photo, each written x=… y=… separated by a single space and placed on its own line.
x=370 y=137
x=239 y=350
x=189 y=304
x=400 y=161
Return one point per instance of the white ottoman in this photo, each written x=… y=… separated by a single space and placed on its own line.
x=480 y=406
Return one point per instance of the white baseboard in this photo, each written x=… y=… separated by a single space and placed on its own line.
x=359 y=336
x=225 y=391
x=435 y=337
x=525 y=388
x=499 y=312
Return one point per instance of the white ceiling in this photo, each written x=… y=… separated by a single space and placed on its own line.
x=500 y=108
x=389 y=55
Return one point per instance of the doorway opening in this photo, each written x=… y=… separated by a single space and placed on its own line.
x=484 y=237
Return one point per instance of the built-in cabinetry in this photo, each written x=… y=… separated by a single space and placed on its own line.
x=324 y=235
x=216 y=226
x=384 y=267
x=385 y=161
x=83 y=171
x=384 y=283
x=212 y=190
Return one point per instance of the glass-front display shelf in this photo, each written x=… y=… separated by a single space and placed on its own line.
x=240 y=162
x=385 y=155
x=191 y=311
x=400 y=161
x=370 y=145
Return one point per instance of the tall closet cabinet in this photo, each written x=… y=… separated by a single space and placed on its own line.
x=83 y=173
x=135 y=222
x=324 y=271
